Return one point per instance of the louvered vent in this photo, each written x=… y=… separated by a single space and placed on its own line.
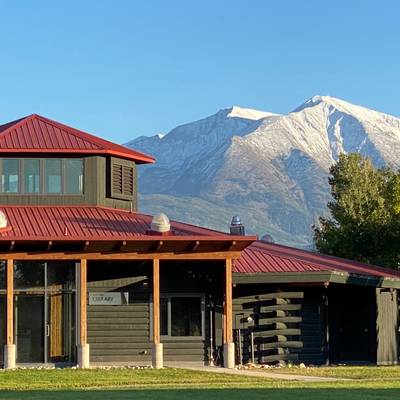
x=123 y=181
x=127 y=181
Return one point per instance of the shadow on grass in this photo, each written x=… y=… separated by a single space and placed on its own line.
x=209 y=394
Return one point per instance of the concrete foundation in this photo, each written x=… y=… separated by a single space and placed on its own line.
x=157 y=355
x=83 y=354
x=229 y=355
x=9 y=356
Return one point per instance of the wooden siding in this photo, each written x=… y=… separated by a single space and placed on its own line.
x=122 y=334
x=387 y=324
x=119 y=333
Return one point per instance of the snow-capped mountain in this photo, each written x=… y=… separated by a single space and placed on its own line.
x=270 y=169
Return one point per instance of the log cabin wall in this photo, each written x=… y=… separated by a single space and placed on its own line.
x=288 y=323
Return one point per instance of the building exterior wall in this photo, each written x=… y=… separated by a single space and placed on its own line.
x=96 y=190
x=316 y=324
x=123 y=333
x=352 y=324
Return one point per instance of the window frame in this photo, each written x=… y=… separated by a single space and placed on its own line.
x=169 y=337
x=42 y=177
x=22 y=177
x=19 y=186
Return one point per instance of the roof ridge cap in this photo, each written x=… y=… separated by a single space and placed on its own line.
x=70 y=130
x=18 y=122
x=99 y=142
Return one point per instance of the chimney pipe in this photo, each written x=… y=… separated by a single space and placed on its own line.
x=236 y=227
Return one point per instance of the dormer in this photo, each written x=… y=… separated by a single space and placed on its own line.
x=45 y=162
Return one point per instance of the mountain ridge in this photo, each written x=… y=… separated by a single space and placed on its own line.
x=271 y=167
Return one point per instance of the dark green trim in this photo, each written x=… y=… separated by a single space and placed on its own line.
x=362 y=280
x=282 y=277
x=315 y=277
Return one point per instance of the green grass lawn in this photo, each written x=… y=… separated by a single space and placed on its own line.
x=171 y=384
x=353 y=372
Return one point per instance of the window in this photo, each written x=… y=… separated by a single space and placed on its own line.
x=52 y=169
x=38 y=176
x=32 y=176
x=73 y=176
x=10 y=176
x=182 y=316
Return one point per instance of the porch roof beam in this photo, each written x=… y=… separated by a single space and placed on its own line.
x=54 y=255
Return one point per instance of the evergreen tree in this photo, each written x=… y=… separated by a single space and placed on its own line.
x=365 y=213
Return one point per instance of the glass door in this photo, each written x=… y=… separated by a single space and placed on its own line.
x=29 y=328
x=45 y=312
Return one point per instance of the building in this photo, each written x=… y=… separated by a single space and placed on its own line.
x=86 y=279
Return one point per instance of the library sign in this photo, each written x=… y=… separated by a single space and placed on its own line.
x=108 y=298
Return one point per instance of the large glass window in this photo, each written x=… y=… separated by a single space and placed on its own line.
x=28 y=275
x=73 y=176
x=10 y=176
x=35 y=176
x=60 y=275
x=52 y=168
x=182 y=315
x=32 y=176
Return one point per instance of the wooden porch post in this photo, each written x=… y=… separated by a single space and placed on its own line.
x=229 y=346
x=157 y=350
x=83 y=346
x=9 y=349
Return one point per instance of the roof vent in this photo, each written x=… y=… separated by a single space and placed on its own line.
x=160 y=223
x=4 y=226
x=3 y=220
x=236 y=227
x=268 y=238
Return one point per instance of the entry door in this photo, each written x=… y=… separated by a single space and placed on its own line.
x=30 y=328
x=44 y=328
x=60 y=332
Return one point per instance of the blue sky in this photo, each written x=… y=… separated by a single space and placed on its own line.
x=121 y=69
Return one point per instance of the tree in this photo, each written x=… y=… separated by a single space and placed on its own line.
x=364 y=221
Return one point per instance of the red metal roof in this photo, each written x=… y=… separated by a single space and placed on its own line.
x=70 y=223
x=37 y=134
x=91 y=223
x=262 y=257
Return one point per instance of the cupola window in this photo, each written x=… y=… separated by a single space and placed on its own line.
x=53 y=175
x=10 y=176
x=32 y=176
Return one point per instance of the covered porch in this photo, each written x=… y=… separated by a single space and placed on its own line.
x=93 y=307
